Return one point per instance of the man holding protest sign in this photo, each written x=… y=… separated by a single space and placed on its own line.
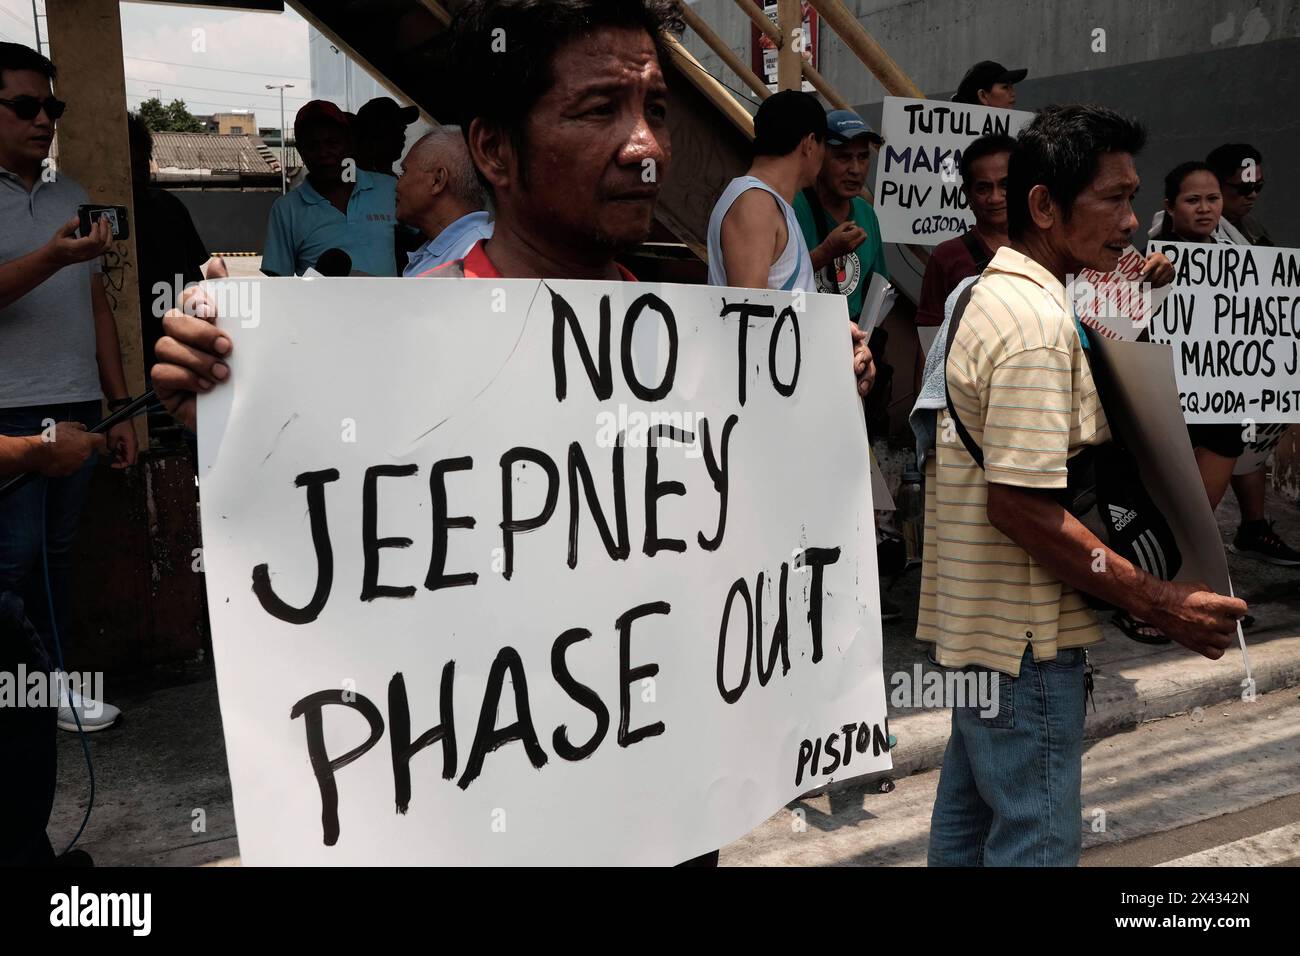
x=1005 y=562
x=562 y=131
x=572 y=219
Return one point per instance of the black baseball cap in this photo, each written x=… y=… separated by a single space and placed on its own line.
x=784 y=119
x=982 y=76
x=383 y=111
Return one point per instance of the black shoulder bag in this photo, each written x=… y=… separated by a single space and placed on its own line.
x=977 y=251
x=1103 y=486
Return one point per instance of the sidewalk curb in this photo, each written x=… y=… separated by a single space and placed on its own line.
x=1275 y=665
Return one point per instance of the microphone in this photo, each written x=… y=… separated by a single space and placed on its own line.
x=126 y=413
x=332 y=262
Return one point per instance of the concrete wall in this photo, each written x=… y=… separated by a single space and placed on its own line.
x=1192 y=103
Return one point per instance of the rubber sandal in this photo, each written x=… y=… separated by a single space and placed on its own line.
x=1134 y=629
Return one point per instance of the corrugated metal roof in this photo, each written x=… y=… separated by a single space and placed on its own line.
x=221 y=154
x=292 y=156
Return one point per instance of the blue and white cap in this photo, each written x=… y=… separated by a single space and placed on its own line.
x=843 y=126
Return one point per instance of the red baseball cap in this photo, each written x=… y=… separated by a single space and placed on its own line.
x=319 y=111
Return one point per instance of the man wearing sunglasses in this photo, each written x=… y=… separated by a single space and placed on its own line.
x=1240 y=168
x=59 y=352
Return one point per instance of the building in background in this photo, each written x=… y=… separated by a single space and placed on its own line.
x=234 y=123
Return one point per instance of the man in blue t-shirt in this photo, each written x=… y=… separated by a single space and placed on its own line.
x=339 y=206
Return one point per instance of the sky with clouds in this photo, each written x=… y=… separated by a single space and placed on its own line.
x=225 y=66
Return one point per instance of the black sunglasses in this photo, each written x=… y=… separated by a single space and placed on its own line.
x=1245 y=189
x=27 y=107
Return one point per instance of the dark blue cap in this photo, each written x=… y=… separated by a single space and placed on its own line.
x=842 y=126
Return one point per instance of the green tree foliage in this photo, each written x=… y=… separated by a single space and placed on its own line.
x=175 y=117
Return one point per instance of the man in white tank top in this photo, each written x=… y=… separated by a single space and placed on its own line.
x=754 y=238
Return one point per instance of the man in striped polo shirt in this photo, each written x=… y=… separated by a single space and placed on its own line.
x=1004 y=562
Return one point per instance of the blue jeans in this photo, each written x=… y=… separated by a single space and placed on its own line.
x=1009 y=792
x=20 y=523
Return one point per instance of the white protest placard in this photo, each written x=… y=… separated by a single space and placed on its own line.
x=1115 y=303
x=919 y=197
x=1233 y=321
x=536 y=572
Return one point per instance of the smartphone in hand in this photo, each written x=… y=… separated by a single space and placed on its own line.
x=87 y=214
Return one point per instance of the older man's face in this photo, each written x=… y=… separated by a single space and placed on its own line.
x=844 y=169
x=987 y=190
x=1102 y=222
x=597 y=143
x=25 y=142
x=415 y=196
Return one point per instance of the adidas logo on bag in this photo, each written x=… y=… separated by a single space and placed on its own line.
x=1121 y=517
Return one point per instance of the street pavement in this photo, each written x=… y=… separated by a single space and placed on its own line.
x=1179 y=774
x=1220 y=786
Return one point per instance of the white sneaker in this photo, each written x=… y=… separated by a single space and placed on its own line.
x=94 y=714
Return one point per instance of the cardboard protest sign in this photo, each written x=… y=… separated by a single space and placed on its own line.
x=536 y=572
x=1233 y=320
x=919 y=197
x=1137 y=379
x=1115 y=303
